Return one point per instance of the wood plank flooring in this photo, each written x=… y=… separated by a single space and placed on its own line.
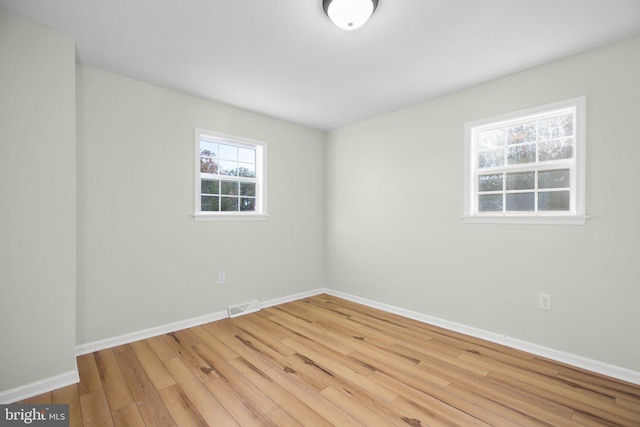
x=324 y=361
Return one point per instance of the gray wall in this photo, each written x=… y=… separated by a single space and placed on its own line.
x=395 y=196
x=37 y=203
x=142 y=259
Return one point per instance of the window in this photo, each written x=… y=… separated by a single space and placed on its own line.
x=527 y=166
x=230 y=177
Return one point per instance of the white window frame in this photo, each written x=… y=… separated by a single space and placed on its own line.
x=261 y=178
x=577 y=165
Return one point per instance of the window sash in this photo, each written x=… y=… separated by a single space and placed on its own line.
x=536 y=189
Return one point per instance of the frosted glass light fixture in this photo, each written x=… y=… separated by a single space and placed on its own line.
x=349 y=14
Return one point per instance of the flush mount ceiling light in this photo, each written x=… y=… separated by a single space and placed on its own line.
x=349 y=14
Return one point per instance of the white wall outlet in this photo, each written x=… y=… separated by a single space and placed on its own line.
x=222 y=277
x=544 y=301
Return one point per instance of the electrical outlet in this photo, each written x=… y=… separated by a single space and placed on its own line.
x=544 y=301
x=222 y=277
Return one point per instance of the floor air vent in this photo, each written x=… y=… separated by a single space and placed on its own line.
x=239 y=310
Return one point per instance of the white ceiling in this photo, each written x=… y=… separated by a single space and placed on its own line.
x=284 y=58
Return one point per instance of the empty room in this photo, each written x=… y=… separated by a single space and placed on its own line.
x=320 y=212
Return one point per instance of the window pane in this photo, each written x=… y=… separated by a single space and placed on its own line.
x=491 y=182
x=229 y=204
x=247 y=169
x=554 y=201
x=209 y=204
x=228 y=168
x=521 y=154
x=208 y=165
x=247 y=204
x=492 y=139
x=490 y=203
x=521 y=202
x=556 y=149
x=228 y=152
x=522 y=133
x=247 y=189
x=246 y=155
x=521 y=181
x=554 y=178
x=490 y=158
x=208 y=149
x=230 y=188
x=209 y=187
x=556 y=127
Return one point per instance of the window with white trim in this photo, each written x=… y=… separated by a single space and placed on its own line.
x=230 y=177
x=527 y=166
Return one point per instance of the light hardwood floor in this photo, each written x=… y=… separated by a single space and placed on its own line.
x=325 y=361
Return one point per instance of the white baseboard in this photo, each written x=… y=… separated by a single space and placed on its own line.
x=43 y=386
x=148 y=333
x=294 y=297
x=603 y=368
x=177 y=326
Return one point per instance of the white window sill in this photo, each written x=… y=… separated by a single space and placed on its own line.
x=526 y=219
x=229 y=217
